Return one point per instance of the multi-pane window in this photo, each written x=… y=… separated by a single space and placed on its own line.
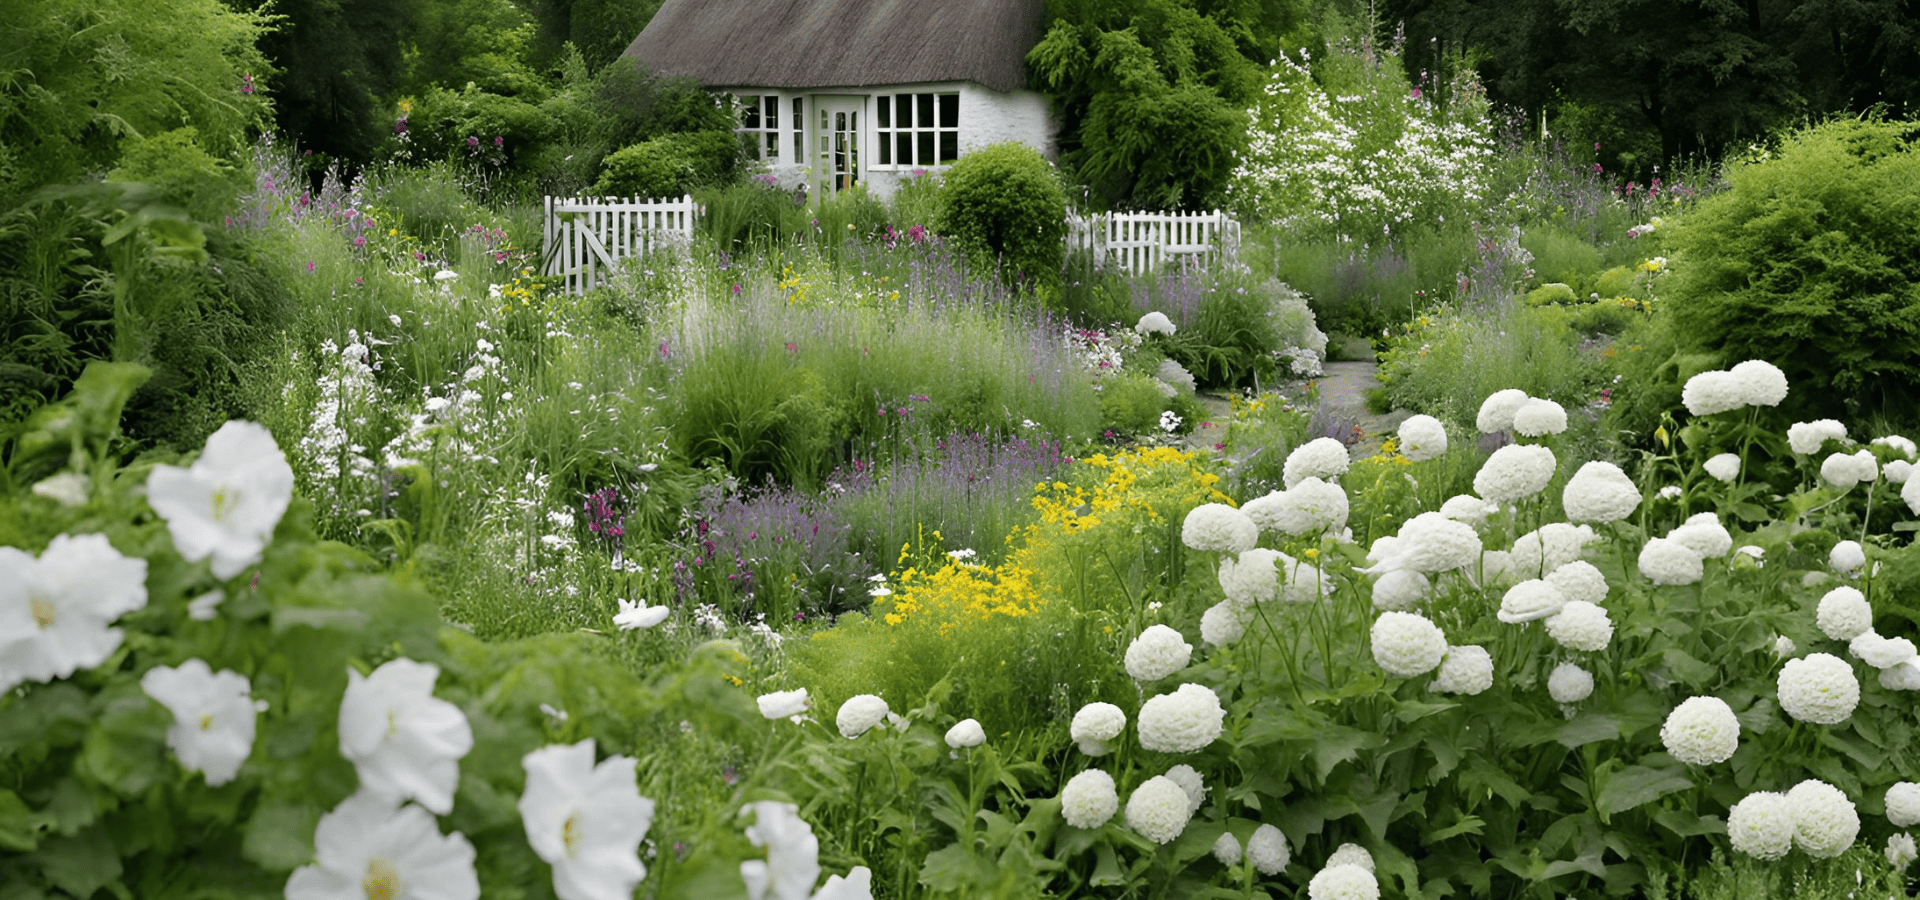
x=917 y=129
x=760 y=124
x=799 y=124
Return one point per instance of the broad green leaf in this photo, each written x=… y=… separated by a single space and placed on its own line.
x=19 y=825
x=1339 y=744
x=82 y=864
x=1686 y=824
x=1636 y=785
x=1587 y=729
x=1463 y=824
x=279 y=837
x=1588 y=862
x=952 y=869
x=1106 y=867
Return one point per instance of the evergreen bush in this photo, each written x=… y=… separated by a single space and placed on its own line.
x=1003 y=205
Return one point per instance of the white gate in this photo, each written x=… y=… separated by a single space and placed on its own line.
x=585 y=237
x=1136 y=243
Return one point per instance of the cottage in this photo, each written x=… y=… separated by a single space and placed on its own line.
x=835 y=92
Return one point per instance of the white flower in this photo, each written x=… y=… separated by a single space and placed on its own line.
x=1847 y=558
x=1400 y=589
x=1844 y=614
x=1750 y=557
x=1725 y=466
x=586 y=821
x=793 y=853
x=1224 y=623
x=1783 y=647
x=1670 y=492
x=228 y=502
x=1901 y=851
x=1323 y=458
x=206 y=607
x=1580 y=625
x=1824 y=820
x=1190 y=781
x=1514 y=472
x=1422 y=438
x=1569 y=683
x=1665 y=561
x=1761 y=825
x=1530 y=600
x=67 y=489
x=1713 y=392
x=445 y=275
x=1885 y=653
x=1469 y=509
x=1219 y=527
x=1268 y=850
x=1096 y=724
x=1350 y=855
x=1763 y=382
x=1551 y=546
x=783 y=704
x=633 y=615
x=1806 y=438
x=1181 y=722
x=1703 y=534
x=858 y=885
x=1430 y=543
x=1539 y=417
x=1907 y=449
x=860 y=713
x=1346 y=882
x=1910 y=493
x=1496 y=412
x=1158 y=652
x=1903 y=677
x=1465 y=670
x=1898 y=471
x=405 y=742
x=1089 y=799
x=1818 y=688
x=1226 y=849
x=368 y=847
x=1702 y=731
x=1155 y=322
x=1406 y=645
x=1844 y=470
x=1304 y=582
x=1157 y=810
x=1599 y=492
x=1579 y=580
x=1903 y=804
x=213 y=716
x=1252 y=576
x=1310 y=506
x=55 y=611
x=966 y=733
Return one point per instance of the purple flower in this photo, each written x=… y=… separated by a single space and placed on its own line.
x=499 y=141
x=309 y=265
x=473 y=141
x=736 y=288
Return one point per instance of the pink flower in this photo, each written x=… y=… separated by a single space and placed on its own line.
x=473 y=141
x=793 y=347
x=309 y=265
x=499 y=141
x=360 y=241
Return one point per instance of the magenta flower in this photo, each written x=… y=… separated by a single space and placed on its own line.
x=246 y=84
x=309 y=265
x=499 y=141
x=473 y=141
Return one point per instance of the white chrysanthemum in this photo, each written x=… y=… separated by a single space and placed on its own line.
x=966 y=733
x=1763 y=382
x=1824 y=820
x=1155 y=322
x=1343 y=883
x=1514 y=472
x=1350 y=854
x=1469 y=509
x=1265 y=510
x=1903 y=677
x=1384 y=548
x=1901 y=851
x=1579 y=580
x=1761 y=825
x=55 y=611
x=1713 y=392
x=1530 y=600
x=1095 y=725
x=1580 y=625
x=1885 y=653
x=1844 y=614
x=1569 y=683
x=1903 y=804
x=1725 y=466
x=1847 y=558
x=1702 y=731
x=1319 y=458
x=1422 y=438
x=1783 y=647
x=1157 y=810
x=1898 y=471
x=1089 y=799
x=1844 y=470
x=1189 y=780
x=783 y=704
x=1226 y=849
x=1406 y=644
x=1268 y=851
x=1496 y=568
x=368 y=846
x=1599 y=492
x=1496 y=412
x=1400 y=589
x=213 y=716
x=859 y=713
x=1158 y=652
x=1554 y=545
x=1310 y=506
x=1539 y=417
x=1430 y=543
x=1304 y=583
x=1465 y=670
x=1181 y=722
x=586 y=820
x=1666 y=561
x=228 y=502
x=1224 y=623
x=1704 y=534
x=404 y=742
x=1253 y=576
x=1906 y=448
x=1806 y=438
x=1219 y=527
x=1910 y=494
x=1818 y=688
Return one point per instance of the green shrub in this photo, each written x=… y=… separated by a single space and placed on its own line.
x=186 y=175
x=1560 y=255
x=1615 y=282
x=1550 y=294
x=1608 y=317
x=1810 y=260
x=1130 y=404
x=670 y=165
x=1446 y=368
x=1004 y=207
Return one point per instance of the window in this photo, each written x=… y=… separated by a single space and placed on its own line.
x=917 y=129
x=799 y=126
x=760 y=125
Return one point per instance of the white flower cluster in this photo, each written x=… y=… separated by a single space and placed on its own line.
x=1313 y=505
x=1903 y=804
x=1219 y=527
x=1343 y=882
x=1530 y=600
x=1703 y=534
x=1224 y=623
x=1539 y=417
x=1599 y=492
x=1551 y=546
x=1155 y=322
x=1158 y=810
x=1844 y=614
x=1514 y=473
x=1268 y=851
x=1251 y=577
x=1159 y=651
x=1806 y=438
x=1400 y=589
x=1406 y=644
x=1579 y=581
x=1824 y=820
x=1666 y=561
x=1568 y=683
x=1186 y=720
x=1323 y=458
x=1761 y=825
x=859 y=714
x=1580 y=625
x=1848 y=558
x=1844 y=470
x=1089 y=799
x=1465 y=670
x=1724 y=466
x=1497 y=411
x=1702 y=731
x=1422 y=437
x=1819 y=688
x=1428 y=543
x=1752 y=383
x=1095 y=725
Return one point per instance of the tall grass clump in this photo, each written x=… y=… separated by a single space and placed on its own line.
x=967 y=489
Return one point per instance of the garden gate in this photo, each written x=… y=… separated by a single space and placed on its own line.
x=1137 y=242
x=584 y=237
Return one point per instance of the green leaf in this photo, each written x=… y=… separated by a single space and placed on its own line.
x=279 y=837
x=1587 y=729
x=82 y=864
x=126 y=749
x=1588 y=862
x=1463 y=824
x=286 y=618
x=1106 y=867
x=1637 y=785
x=1686 y=824
x=19 y=825
x=1689 y=669
x=1339 y=744
x=952 y=869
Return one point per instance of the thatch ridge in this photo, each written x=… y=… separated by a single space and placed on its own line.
x=800 y=44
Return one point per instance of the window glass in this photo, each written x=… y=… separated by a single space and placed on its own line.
x=773 y=111
x=918 y=129
x=949 y=110
x=949 y=146
x=905 y=108
x=925 y=115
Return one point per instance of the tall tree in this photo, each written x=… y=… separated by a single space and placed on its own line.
x=340 y=62
x=600 y=29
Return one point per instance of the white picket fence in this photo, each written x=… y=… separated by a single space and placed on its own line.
x=584 y=238
x=1139 y=242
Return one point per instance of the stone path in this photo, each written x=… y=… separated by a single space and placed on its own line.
x=1343 y=390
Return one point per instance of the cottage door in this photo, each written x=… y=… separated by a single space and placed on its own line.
x=837 y=135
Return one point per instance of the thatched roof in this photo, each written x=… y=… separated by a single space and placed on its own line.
x=797 y=44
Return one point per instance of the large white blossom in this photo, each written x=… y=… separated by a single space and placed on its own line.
x=1539 y=417
x=857 y=885
x=586 y=820
x=213 y=716
x=1568 y=683
x=966 y=733
x=1848 y=558
x=1304 y=583
x=1252 y=576
x=1898 y=472
x=228 y=502
x=1219 y=527
x=1430 y=543
x=1806 y=438
x=1514 y=472
x=1155 y=322
x=1713 y=392
x=1226 y=849
x=1350 y=854
x=1186 y=720
x=639 y=615
x=1579 y=580
x=1910 y=494
x=1400 y=589
x=1901 y=851
x=1469 y=509
x=405 y=742
x=1224 y=623
x=1089 y=799
x=784 y=704
x=1580 y=625
x=1422 y=438
x=1907 y=449
x=1599 y=492
x=1323 y=458
x=1665 y=561
x=1406 y=644
x=1885 y=652
x=1703 y=534
x=1311 y=506
x=1530 y=600
x=1724 y=466
x=56 y=611
x=369 y=847
x=1819 y=688
x=1701 y=731
x=1903 y=677
x=1095 y=725
x=1268 y=851
x=1763 y=382
x=1158 y=652
x=1761 y=825
x=1844 y=470
x=1548 y=548
x=793 y=853
x=1824 y=820
x=1903 y=804
x=1496 y=412
x=1465 y=670
x=1343 y=882
x=1157 y=810
x=1189 y=780
x=859 y=713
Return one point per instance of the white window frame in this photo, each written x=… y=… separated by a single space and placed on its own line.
x=760 y=116
x=938 y=136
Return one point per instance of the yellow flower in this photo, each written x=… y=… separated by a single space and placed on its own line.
x=392 y=231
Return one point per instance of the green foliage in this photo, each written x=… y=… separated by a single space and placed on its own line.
x=184 y=173
x=1562 y=256
x=1615 y=282
x=753 y=213
x=670 y=165
x=1810 y=261
x=339 y=61
x=1603 y=317
x=1445 y=364
x=1004 y=208
x=485 y=43
x=1550 y=294
x=1131 y=403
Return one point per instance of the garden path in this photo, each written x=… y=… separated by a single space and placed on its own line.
x=1343 y=390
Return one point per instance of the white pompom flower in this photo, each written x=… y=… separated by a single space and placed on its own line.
x=1569 y=683
x=1886 y=653
x=1844 y=613
x=1903 y=677
x=1824 y=820
x=966 y=733
x=1225 y=623
x=1311 y=506
x=1764 y=383
x=1539 y=417
x=1304 y=583
x=1186 y=720
x=1089 y=799
x=1580 y=625
x=1579 y=580
x=1226 y=849
x=1848 y=558
x=1703 y=534
x=1253 y=576
x=1095 y=725
x=1701 y=731
x=1903 y=804
x=1323 y=458
x=1724 y=466
x=1422 y=438
x=860 y=713
x=1530 y=600
x=1844 y=470
x=1901 y=851
x=1157 y=810
x=1400 y=589
x=1806 y=438
x=1910 y=494
x=1343 y=883
x=1158 y=652
x=1761 y=825
x=1406 y=644
x=1496 y=412
x=1469 y=509
x=1907 y=449
x=1818 y=688
x=1465 y=670
x=1430 y=543
x=1666 y=561
x=1155 y=322
x=1268 y=851
x=1599 y=492
x=1189 y=780
x=1350 y=854
x=1220 y=528
x=1713 y=392
x=783 y=704
x=1514 y=473
x=1897 y=472
x=1548 y=548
